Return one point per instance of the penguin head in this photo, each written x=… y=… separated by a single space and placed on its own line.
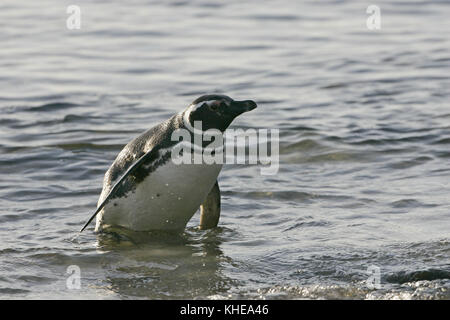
x=216 y=111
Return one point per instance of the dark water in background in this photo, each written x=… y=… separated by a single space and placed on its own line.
x=364 y=122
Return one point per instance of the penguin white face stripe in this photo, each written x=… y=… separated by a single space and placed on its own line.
x=192 y=108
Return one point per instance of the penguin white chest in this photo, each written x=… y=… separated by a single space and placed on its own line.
x=165 y=200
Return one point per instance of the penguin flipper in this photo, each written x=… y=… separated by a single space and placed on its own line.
x=150 y=156
x=210 y=209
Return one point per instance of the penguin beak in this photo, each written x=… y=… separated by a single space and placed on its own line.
x=238 y=107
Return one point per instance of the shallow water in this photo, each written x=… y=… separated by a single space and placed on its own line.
x=364 y=122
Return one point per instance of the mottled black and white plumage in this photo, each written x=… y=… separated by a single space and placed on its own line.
x=144 y=190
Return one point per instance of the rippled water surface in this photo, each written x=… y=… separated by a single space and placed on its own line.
x=364 y=120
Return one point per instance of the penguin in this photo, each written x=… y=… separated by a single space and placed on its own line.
x=145 y=190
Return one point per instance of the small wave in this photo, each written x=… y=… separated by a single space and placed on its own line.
x=430 y=274
x=267 y=17
x=442 y=141
x=279 y=195
x=13 y=291
x=86 y=146
x=335 y=156
x=306 y=224
x=335 y=86
x=409 y=163
x=53 y=107
x=410 y=203
x=303 y=145
x=285 y=195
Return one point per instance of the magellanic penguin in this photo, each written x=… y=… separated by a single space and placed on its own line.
x=144 y=190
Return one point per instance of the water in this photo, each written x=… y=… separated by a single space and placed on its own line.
x=364 y=124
